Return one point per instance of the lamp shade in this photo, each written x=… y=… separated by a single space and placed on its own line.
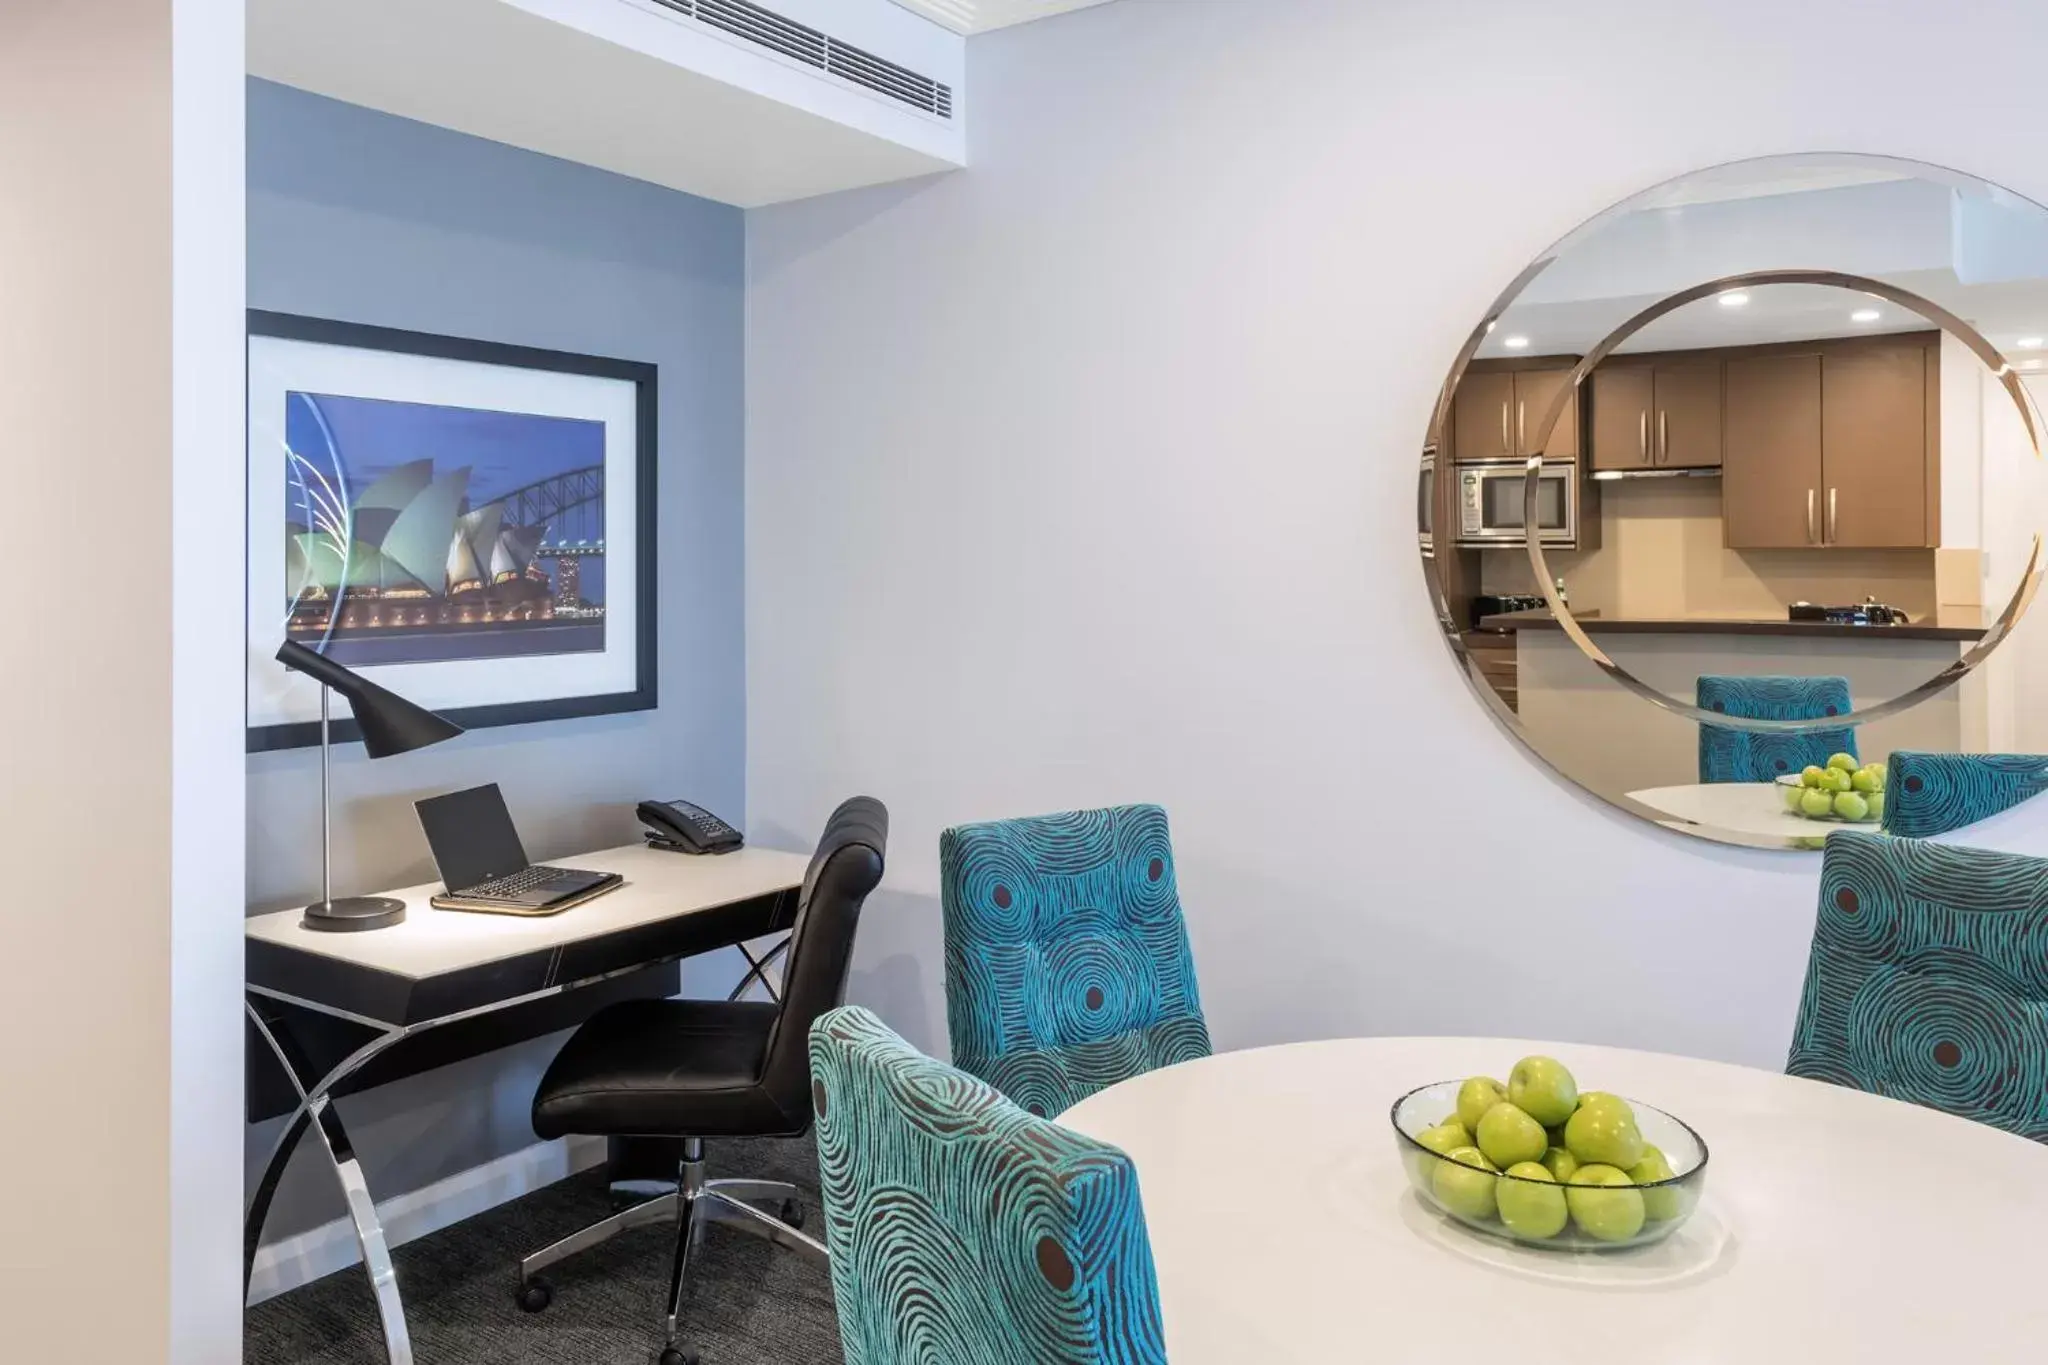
x=390 y=724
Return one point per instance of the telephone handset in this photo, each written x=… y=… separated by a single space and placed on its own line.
x=681 y=827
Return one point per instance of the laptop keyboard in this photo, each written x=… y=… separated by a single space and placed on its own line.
x=515 y=885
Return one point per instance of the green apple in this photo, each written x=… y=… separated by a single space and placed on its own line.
x=1661 y=1204
x=1543 y=1089
x=1465 y=1184
x=1852 y=806
x=1560 y=1162
x=1507 y=1136
x=1445 y=1138
x=1589 y=1098
x=1475 y=1097
x=1883 y=771
x=1876 y=803
x=1793 y=796
x=1604 y=1135
x=1605 y=1203
x=1532 y=1204
x=1810 y=775
x=1864 y=781
x=1844 y=763
x=1834 y=780
x=1817 y=803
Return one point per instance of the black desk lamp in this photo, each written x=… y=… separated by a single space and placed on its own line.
x=390 y=725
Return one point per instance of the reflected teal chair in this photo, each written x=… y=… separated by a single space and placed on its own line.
x=1929 y=794
x=1757 y=756
x=964 y=1231
x=1067 y=961
x=1929 y=979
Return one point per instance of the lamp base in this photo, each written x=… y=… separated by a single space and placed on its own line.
x=353 y=914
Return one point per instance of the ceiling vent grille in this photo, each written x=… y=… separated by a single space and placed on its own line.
x=762 y=27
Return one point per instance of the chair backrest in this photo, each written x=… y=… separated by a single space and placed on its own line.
x=846 y=867
x=1928 y=794
x=1067 y=959
x=963 y=1229
x=1929 y=979
x=1755 y=756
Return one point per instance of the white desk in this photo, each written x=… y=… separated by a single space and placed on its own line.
x=1835 y=1225
x=439 y=967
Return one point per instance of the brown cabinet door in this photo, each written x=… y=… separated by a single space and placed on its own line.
x=1688 y=416
x=1483 y=416
x=1771 y=475
x=1622 y=397
x=1874 y=446
x=1535 y=391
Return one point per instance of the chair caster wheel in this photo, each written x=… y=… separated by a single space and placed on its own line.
x=535 y=1295
x=792 y=1213
x=672 y=1356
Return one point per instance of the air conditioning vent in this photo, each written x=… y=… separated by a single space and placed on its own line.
x=799 y=42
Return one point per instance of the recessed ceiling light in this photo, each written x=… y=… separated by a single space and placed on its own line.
x=1865 y=315
x=2030 y=364
x=2030 y=343
x=1516 y=343
x=1733 y=299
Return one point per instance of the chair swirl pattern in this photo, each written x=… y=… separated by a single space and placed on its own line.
x=1929 y=979
x=1928 y=794
x=1067 y=960
x=965 y=1231
x=1750 y=756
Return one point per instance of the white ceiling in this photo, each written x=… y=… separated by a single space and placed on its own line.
x=979 y=16
x=500 y=71
x=1982 y=255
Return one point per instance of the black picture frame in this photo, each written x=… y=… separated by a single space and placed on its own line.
x=644 y=376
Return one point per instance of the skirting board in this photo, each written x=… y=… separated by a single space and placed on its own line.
x=286 y=1264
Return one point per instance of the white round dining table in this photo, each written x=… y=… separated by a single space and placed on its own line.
x=1835 y=1225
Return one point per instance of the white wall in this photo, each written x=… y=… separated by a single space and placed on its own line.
x=120 y=420
x=1087 y=476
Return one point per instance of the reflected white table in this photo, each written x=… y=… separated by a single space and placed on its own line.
x=1836 y=1226
x=1744 y=807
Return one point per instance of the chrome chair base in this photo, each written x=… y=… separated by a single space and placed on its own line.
x=695 y=1204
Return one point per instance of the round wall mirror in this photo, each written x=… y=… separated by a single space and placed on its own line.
x=1731 y=508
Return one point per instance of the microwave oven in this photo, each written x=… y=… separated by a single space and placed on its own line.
x=1492 y=500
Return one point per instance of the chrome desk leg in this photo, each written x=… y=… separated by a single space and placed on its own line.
x=316 y=1110
x=362 y=1211
x=757 y=970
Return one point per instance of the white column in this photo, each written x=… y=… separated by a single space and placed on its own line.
x=121 y=793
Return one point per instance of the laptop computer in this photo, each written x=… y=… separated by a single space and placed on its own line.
x=484 y=865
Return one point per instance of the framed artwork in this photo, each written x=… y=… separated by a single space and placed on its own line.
x=469 y=524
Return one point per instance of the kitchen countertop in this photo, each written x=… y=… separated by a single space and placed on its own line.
x=1965 y=624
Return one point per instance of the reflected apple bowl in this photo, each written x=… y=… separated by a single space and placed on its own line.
x=1555 y=1201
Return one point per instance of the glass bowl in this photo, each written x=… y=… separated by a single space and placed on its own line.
x=1671 y=1201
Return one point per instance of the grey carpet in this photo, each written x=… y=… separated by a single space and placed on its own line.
x=749 y=1303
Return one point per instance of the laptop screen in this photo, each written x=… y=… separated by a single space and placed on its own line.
x=472 y=836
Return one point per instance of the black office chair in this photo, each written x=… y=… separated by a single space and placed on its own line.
x=715 y=1068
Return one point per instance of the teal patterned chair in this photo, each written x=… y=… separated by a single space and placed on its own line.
x=964 y=1231
x=1067 y=961
x=1929 y=794
x=1728 y=755
x=1929 y=979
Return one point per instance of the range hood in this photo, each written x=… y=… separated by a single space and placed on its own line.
x=1617 y=475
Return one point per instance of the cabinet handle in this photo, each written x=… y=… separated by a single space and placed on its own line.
x=1643 y=437
x=1831 y=516
x=1507 y=446
x=1811 y=538
x=1522 y=429
x=1664 y=436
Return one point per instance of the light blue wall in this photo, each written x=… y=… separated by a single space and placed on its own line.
x=361 y=216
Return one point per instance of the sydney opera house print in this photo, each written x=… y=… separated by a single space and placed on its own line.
x=419 y=533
